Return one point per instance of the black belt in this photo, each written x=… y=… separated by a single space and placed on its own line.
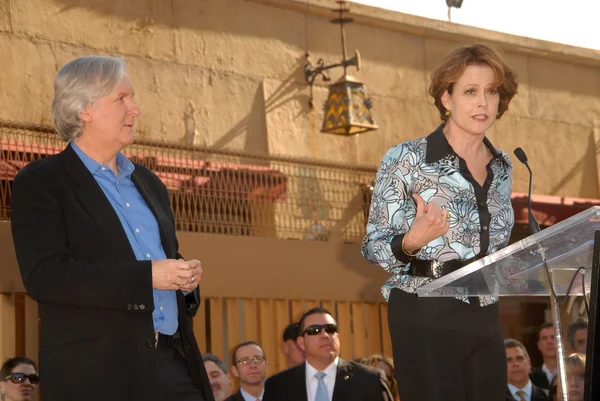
x=166 y=341
x=436 y=269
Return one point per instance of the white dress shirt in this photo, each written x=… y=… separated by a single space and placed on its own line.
x=312 y=382
x=249 y=397
x=527 y=390
x=549 y=374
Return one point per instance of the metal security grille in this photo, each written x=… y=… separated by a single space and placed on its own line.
x=225 y=192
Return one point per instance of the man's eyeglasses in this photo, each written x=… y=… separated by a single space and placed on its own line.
x=17 y=378
x=257 y=360
x=315 y=329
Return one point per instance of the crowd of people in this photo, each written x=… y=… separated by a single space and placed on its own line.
x=541 y=383
x=313 y=344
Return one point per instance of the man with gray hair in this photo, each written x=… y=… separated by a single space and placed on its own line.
x=95 y=240
x=218 y=374
x=518 y=366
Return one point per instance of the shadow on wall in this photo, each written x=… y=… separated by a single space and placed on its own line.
x=586 y=164
x=314 y=32
x=255 y=124
x=253 y=19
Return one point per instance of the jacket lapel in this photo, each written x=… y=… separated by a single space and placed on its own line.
x=164 y=226
x=98 y=206
x=298 y=384
x=343 y=379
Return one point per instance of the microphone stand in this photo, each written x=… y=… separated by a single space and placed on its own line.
x=534 y=228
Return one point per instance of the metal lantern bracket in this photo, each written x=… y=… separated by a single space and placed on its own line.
x=311 y=72
x=347 y=110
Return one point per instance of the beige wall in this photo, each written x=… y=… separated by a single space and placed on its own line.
x=235 y=67
x=248 y=267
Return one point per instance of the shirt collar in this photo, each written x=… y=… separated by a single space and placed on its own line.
x=549 y=372
x=330 y=370
x=527 y=390
x=124 y=164
x=249 y=397
x=438 y=147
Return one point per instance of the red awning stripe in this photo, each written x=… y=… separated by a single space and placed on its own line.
x=548 y=209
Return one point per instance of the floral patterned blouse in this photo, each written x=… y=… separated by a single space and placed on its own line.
x=481 y=217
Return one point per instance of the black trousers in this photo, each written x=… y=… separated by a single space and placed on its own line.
x=176 y=382
x=446 y=350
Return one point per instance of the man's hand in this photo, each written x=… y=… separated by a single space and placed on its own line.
x=196 y=269
x=171 y=274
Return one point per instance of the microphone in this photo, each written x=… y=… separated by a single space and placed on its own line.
x=534 y=226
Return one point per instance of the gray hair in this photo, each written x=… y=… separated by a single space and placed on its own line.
x=208 y=357
x=512 y=343
x=80 y=83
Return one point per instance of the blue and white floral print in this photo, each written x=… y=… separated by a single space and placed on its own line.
x=429 y=167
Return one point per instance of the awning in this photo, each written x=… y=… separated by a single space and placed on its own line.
x=548 y=209
x=229 y=180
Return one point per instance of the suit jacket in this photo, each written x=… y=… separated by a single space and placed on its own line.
x=236 y=397
x=95 y=298
x=537 y=394
x=539 y=378
x=353 y=382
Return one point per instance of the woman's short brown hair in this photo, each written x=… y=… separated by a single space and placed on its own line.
x=454 y=65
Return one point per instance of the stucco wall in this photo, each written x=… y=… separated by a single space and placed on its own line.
x=234 y=70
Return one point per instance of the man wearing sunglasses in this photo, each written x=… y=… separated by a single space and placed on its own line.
x=325 y=376
x=249 y=365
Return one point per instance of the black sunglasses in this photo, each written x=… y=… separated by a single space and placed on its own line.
x=315 y=329
x=17 y=378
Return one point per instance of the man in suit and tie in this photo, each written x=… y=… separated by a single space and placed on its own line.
x=95 y=239
x=249 y=365
x=543 y=376
x=325 y=376
x=518 y=366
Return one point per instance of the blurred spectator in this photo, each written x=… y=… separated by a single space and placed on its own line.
x=219 y=378
x=18 y=379
x=575 y=369
x=387 y=365
x=294 y=355
x=249 y=365
x=542 y=376
x=518 y=365
x=577 y=336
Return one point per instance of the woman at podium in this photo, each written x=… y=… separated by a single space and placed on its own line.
x=439 y=203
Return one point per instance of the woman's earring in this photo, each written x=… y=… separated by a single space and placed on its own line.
x=447 y=113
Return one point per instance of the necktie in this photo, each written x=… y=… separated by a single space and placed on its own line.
x=521 y=395
x=321 y=394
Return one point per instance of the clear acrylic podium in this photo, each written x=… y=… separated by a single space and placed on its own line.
x=567 y=253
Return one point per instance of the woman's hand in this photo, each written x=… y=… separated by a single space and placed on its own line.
x=430 y=222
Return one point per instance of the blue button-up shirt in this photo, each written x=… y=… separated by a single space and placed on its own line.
x=140 y=226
